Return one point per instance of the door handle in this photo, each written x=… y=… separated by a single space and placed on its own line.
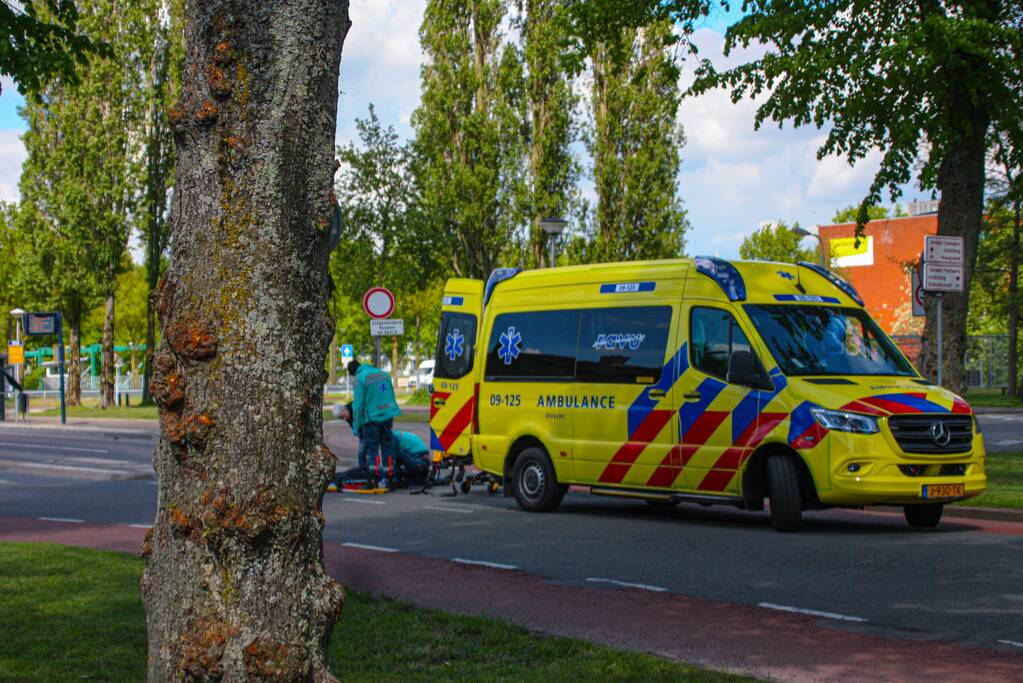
x=438 y=402
x=656 y=393
x=693 y=396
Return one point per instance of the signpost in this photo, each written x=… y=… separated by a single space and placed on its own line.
x=15 y=352
x=917 y=293
x=39 y=324
x=394 y=327
x=942 y=272
x=378 y=302
x=347 y=355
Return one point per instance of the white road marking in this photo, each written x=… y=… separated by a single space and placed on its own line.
x=379 y=549
x=1011 y=642
x=626 y=584
x=447 y=509
x=62 y=519
x=48 y=447
x=141 y=526
x=364 y=502
x=483 y=563
x=811 y=612
x=1007 y=442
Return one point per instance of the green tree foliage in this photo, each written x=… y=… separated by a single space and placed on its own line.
x=918 y=80
x=553 y=170
x=635 y=141
x=9 y=247
x=776 y=242
x=850 y=214
x=469 y=132
x=386 y=240
x=83 y=177
x=39 y=41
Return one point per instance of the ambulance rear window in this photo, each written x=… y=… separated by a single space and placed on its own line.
x=456 y=345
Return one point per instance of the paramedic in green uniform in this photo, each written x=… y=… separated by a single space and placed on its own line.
x=373 y=410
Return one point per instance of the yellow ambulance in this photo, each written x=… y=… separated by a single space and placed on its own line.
x=694 y=380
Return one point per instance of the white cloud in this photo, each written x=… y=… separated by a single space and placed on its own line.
x=380 y=64
x=12 y=156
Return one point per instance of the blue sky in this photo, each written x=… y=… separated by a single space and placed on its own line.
x=733 y=179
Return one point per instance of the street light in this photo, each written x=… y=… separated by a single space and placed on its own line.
x=553 y=225
x=19 y=372
x=799 y=232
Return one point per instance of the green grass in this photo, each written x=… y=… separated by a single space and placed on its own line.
x=133 y=412
x=991 y=398
x=71 y=614
x=420 y=397
x=1004 y=483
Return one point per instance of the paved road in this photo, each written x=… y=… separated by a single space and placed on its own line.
x=867 y=572
x=1003 y=432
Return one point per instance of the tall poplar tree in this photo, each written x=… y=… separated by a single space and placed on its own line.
x=469 y=131
x=234 y=585
x=82 y=178
x=553 y=171
x=635 y=141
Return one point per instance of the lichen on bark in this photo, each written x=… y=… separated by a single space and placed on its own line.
x=234 y=585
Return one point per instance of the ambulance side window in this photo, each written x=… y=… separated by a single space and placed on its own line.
x=623 y=345
x=455 y=345
x=710 y=332
x=533 y=345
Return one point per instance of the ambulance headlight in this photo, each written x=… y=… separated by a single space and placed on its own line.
x=841 y=421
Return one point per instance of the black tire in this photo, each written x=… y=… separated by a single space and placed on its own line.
x=534 y=483
x=927 y=515
x=466 y=485
x=783 y=490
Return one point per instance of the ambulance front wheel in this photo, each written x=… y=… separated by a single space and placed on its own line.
x=783 y=489
x=535 y=485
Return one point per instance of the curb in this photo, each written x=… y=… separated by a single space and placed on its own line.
x=965 y=512
x=998 y=410
x=153 y=431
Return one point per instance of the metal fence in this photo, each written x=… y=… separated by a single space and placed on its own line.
x=987 y=358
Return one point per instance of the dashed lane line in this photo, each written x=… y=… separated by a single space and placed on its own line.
x=364 y=502
x=627 y=584
x=140 y=526
x=811 y=612
x=50 y=447
x=447 y=509
x=483 y=563
x=61 y=519
x=377 y=548
x=1011 y=642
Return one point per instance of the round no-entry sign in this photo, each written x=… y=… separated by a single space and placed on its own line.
x=378 y=302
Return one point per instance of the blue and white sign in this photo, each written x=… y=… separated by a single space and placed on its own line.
x=347 y=352
x=511 y=341
x=627 y=287
x=453 y=300
x=454 y=344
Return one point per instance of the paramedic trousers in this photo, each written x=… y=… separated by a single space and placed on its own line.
x=378 y=440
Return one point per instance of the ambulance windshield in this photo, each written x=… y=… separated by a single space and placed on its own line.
x=825 y=340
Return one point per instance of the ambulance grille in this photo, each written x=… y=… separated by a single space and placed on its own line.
x=916 y=433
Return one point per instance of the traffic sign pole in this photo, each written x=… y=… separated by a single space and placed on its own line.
x=941 y=357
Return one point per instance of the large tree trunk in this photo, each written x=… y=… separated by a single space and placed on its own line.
x=234 y=586
x=961 y=182
x=109 y=368
x=73 y=390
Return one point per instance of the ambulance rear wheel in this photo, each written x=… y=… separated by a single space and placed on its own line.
x=535 y=485
x=783 y=489
x=927 y=515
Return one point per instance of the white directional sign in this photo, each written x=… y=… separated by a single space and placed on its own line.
x=347 y=352
x=394 y=327
x=941 y=277
x=943 y=249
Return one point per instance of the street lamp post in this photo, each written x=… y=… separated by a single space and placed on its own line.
x=19 y=371
x=553 y=226
x=799 y=232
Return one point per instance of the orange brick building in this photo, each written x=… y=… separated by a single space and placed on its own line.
x=879 y=267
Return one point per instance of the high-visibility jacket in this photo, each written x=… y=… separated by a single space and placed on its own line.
x=374 y=397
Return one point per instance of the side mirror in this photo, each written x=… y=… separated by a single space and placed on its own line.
x=743 y=368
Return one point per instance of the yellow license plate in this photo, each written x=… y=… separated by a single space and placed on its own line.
x=943 y=491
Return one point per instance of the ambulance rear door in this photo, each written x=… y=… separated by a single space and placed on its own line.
x=453 y=403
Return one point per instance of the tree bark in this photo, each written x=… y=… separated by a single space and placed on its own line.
x=961 y=181
x=234 y=586
x=109 y=368
x=73 y=390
